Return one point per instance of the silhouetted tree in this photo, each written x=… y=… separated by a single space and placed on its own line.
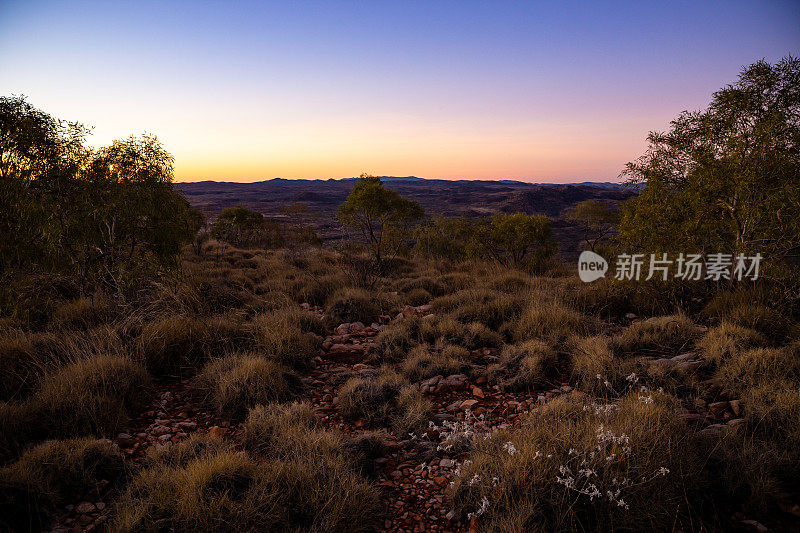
x=596 y=218
x=725 y=179
x=383 y=217
x=102 y=214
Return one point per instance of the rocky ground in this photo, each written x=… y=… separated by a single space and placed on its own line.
x=416 y=469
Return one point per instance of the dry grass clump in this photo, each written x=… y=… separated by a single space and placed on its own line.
x=430 y=284
x=471 y=336
x=285 y=431
x=418 y=297
x=358 y=305
x=280 y=336
x=528 y=365
x=237 y=382
x=723 y=341
x=596 y=370
x=172 y=342
x=293 y=432
x=400 y=336
x=384 y=399
x=749 y=309
x=93 y=396
x=659 y=336
x=203 y=485
x=83 y=313
x=488 y=307
x=550 y=321
x=750 y=368
x=424 y=362
x=21 y=364
x=392 y=344
x=759 y=463
x=578 y=466
x=510 y=282
x=52 y=474
x=26 y=356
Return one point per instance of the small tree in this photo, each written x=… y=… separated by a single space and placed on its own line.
x=381 y=215
x=239 y=226
x=518 y=239
x=447 y=237
x=596 y=218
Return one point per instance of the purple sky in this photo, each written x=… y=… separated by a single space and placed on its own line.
x=550 y=91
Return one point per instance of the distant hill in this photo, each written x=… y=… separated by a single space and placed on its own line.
x=439 y=197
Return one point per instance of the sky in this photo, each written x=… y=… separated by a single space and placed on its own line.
x=247 y=91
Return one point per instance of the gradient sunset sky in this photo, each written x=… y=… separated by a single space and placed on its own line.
x=245 y=91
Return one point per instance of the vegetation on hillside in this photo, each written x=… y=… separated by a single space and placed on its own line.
x=312 y=381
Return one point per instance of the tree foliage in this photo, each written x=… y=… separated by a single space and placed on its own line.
x=512 y=239
x=597 y=219
x=99 y=214
x=244 y=227
x=727 y=178
x=382 y=217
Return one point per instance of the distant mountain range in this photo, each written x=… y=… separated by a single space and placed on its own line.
x=439 y=197
x=602 y=184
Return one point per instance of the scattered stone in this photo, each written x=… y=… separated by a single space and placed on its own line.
x=85 y=508
x=467 y=404
x=217 y=432
x=451 y=383
x=755 y=525
x=714 y=430
x=124 y=440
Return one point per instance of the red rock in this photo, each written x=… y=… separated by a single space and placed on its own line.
x=217 y=432
x=85 y=508
x=467 y=404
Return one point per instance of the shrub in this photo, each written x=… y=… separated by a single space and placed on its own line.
x=423 y=363
x=235 y=383
x=82 y=313
x=487 y=307
x=723 y=341
x=281 y=338
x=393 y=343
x=93 y=396
x=529 y=364
x=293 y=432
x=50 y=475
x=549 y=321
x=384 y=399
x=596 y=370
x=418 y=297
x=574 y=465
x=357 y=305
x=169 y=343
x=748 y=309
x=659 y=336
x=758 y=366
x=471 y=336
x=203 y=485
